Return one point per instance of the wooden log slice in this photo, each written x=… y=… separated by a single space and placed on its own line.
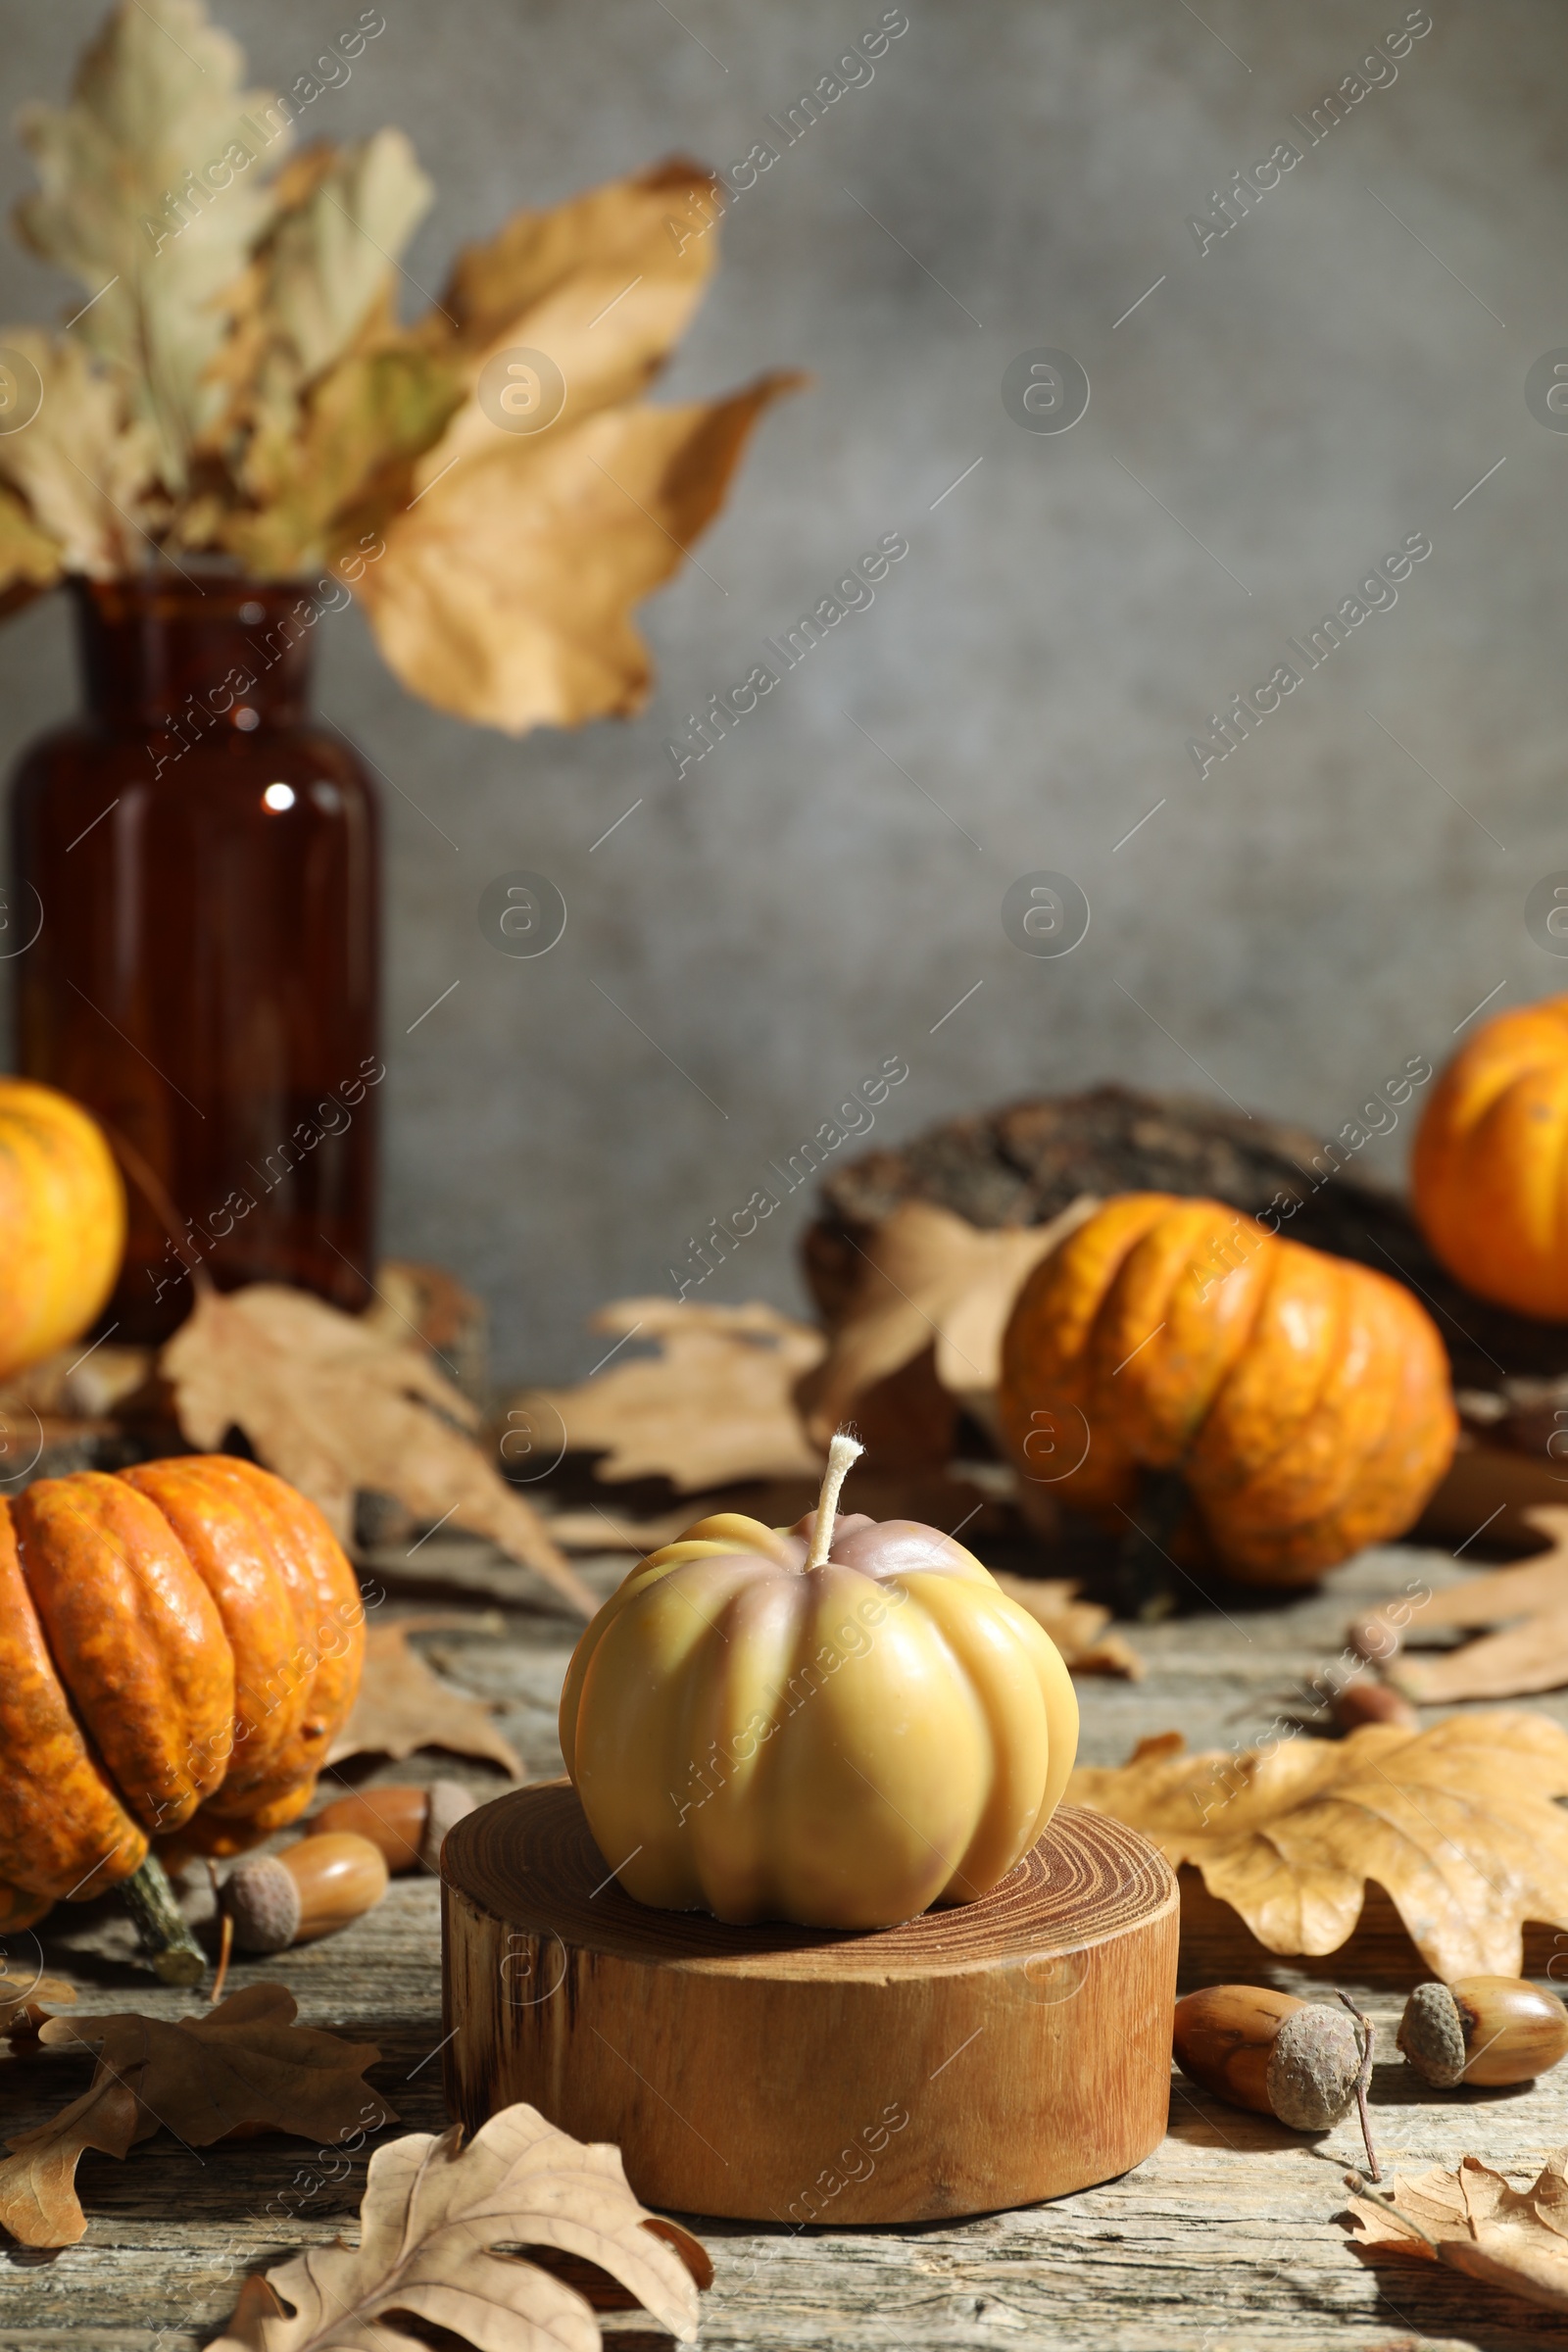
x=973 y=2059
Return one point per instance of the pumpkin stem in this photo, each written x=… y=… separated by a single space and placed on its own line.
x=1146 y=1571
x=164 y=1931
x=842 y=1453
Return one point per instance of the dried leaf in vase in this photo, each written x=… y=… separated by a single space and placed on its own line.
x=346 y=457
x=403 y=1707
x=922 y=1332
x=444 y=2231
x=332 y=257
x=714 y=1406
x=1457 y=1823
x=29 y=560
x=83 y=468
x=159 y=92
x=328 y=402
x=484 y=603
x=332 y=1404
x=1530 y=1602
x=606 y=283
x=244 y=2063
x=1473 y=2221
x=1077 y=1626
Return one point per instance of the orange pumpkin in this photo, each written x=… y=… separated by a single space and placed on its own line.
x=1490 y=1170
x=179 y=1645
x=1304 y=1400
x=62 y=1220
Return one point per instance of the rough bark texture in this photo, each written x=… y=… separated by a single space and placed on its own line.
x=1023 y=1163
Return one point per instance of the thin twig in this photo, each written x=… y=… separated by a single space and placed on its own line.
x=1361 y=2081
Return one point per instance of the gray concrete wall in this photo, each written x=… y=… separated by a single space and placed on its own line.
x=1328 y=378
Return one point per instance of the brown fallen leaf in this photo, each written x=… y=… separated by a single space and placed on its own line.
x=1457 y=1823
x=1077 y=1626
x=1530 y=1601
x=331 y=1403
x=1473 y=2220
x=923 y=1333
x=439 y=2227
x=1488 y=1490
x=243 y=2063
x=714 y=1406
x=403 y=1707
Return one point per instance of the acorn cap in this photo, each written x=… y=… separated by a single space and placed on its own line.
x=449 y=1801
x=1432 y=2036
x=1314 y=2067
x=264 y=1902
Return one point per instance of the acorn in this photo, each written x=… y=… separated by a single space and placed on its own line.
x=1482 y=2030
x=1361 y=1703
x=1301 y=2061
x=406 y=1821
x=308 y=1890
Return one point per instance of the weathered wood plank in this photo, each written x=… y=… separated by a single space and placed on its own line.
x=1225 y=2238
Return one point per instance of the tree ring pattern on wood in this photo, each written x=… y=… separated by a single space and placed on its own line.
x=970 y=2059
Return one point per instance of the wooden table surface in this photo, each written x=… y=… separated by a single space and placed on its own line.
x=1226 y=2237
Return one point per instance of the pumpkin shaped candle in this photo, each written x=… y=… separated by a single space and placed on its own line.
x=839 y=1723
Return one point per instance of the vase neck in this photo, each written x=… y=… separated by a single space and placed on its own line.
x=219 y=652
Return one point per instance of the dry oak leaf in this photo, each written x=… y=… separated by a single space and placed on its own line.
x=714 y=1406
x=1529 y=1601
x=331 y=1404
x=243 y=2063
x=1457 y=1823
x=83 y=470
x=20 y=1998
x=159 y=92
x=329 y=404
x=1077 y=1626
x=433 y=2224
x=932 y=1289
x=1473 y=2220
x=29 y=560
x=401 y=1706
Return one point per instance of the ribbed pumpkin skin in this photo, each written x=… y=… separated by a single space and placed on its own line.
x=61 y=1222
x=1304 y=1400
x=1489 y=1171
x=841 y=1745
x=179 y=1646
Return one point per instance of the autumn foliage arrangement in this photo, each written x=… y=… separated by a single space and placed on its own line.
x=235 y=385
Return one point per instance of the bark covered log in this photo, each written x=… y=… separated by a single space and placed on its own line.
x=1024 y=1162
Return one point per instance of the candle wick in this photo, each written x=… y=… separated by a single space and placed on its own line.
x=843 y=1452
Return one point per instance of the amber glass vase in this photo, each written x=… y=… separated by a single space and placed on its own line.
x=195 y=869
